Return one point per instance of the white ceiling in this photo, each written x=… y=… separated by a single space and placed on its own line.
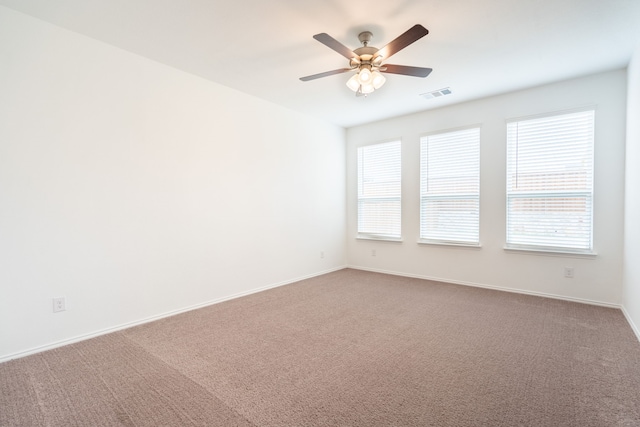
x=476 y=47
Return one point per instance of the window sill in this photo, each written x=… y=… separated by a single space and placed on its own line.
x=551 y=252
x=450 y=244
x=380 y=238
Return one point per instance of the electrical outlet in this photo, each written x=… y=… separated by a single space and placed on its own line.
x=59 y=304
x=373 y=252
x=321 y=254
x=568 y=272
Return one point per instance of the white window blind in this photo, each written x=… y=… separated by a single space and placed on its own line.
x=450 y=187
x=379 y=190
x=550 y=182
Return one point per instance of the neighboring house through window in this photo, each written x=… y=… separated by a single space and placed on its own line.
x=450 y=187
x=550 y=182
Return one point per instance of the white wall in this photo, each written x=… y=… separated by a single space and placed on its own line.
x=631 y=277
x=596 y=279
x=134 y=190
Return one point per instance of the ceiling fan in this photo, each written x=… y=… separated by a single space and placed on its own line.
x=367 y=60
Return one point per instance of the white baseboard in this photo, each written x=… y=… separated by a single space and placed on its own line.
x=496 y=288
x=94 y=334
x=626 y=314
x=120 y=327
x=634 y=328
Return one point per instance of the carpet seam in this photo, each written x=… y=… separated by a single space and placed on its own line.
x=165 y=363
x=35 y=392
x=107 y=387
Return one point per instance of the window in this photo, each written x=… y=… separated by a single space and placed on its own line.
x=450 y=187
x=550 y=182
x=379 y=174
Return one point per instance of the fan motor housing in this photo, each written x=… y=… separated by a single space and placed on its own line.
x=365 y=50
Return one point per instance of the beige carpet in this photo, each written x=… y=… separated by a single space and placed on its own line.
x=350 y=348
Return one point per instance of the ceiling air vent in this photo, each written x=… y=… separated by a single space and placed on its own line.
x=436 y=93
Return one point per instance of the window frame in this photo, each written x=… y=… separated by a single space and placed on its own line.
x=550 y=194
x=475 y=196
x=361 y=198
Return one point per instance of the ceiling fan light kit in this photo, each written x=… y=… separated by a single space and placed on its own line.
x=366 y=81
x=367 y=60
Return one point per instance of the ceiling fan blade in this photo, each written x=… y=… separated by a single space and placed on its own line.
x=405 y=39
x=334 y=44
x=406 y=70
x=325 y=74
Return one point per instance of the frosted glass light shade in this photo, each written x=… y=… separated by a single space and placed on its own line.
x=367 y=88
x=378 y=79
x=364 y=75
x=353 y=83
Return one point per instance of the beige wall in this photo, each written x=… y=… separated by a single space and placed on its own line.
x=135 y=190
x=597 y=279
x=631 y=292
